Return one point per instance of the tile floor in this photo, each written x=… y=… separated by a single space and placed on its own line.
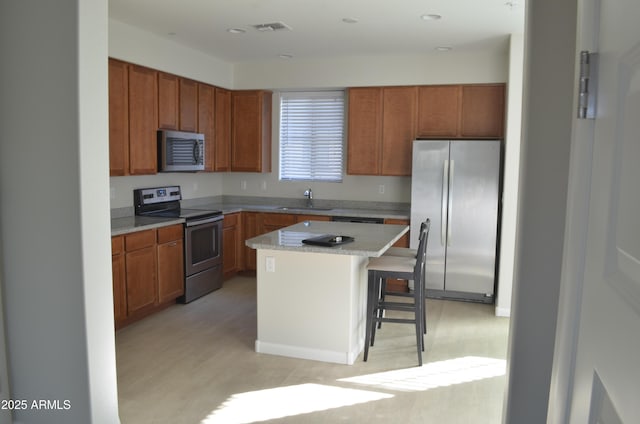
x=195 y=364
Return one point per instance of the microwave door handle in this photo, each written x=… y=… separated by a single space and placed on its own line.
x=196 y=152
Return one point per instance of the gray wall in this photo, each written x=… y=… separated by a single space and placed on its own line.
x=54 y=210
x=548 y=117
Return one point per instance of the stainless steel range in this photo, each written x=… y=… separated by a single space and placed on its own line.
x=202 y=237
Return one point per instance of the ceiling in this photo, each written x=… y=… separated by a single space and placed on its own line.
x=317 y=29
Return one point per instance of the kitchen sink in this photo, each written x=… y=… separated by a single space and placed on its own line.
x=302 y=208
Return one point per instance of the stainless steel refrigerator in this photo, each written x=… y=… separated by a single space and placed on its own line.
x=456 y=183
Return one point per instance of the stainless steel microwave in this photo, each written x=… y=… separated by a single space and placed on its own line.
x=180 y=151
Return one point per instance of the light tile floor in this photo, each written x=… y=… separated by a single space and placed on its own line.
x=196 y=364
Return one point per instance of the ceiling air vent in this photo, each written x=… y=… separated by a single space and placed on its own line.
x=275 y=26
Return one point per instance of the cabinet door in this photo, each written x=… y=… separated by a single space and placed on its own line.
x=143 y=120
x=302 y=218
x=251 y=135
x=119 y=279
x=231 y=252
x=400 y=107
x=482 y=111
x=250 y=227
x=274 y=221
x=439 y=111
x=170 y=271
x=167 y=101
x=222 y=159
x=142 y=286
x=188 y=105
x=364 y=132
x=206 y=123
x=118 y=118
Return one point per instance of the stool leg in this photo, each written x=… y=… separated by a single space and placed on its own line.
x=419 y=334
x=383 y=290
x=371 y=300
x=378 y=311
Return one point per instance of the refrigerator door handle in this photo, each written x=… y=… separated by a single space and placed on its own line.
x=445 y=195
x=450 y=208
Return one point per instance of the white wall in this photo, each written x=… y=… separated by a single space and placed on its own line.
x=54 y=212
x=510 y=174
x=432 y=68
x=545 y=157
x=134 y=45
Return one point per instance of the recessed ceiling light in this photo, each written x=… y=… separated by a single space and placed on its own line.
x=236 y=30
x=350 y=20
x=431 y=17
x=285 y=56
x=444 y=48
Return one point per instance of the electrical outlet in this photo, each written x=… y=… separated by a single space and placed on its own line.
x=270 y=264
x=381 y=189
x=243 y=185
x=264 y=185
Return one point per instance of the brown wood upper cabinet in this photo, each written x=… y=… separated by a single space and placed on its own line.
x=251 y=131
x=399 y=110
x=381 y=127
x=364 y=130
x=222 y=138
x=118 y=117
x=133 y=119
x=168 y=89
x=206 y=122
x=143 y=120
x=461 y=111
x=188 y=105
x=214 y=121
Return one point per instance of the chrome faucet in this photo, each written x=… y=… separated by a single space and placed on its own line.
x=309 y=195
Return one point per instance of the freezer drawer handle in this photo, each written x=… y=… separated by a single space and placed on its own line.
x=450 y=210
x=445 y=192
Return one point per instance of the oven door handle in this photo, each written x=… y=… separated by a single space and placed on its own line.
x=195 y=222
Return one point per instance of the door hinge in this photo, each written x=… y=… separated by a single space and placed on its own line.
x=587 y=85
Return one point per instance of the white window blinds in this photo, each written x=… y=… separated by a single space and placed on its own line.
x=311 y=135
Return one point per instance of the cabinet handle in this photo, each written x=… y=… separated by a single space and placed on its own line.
x=173 y=243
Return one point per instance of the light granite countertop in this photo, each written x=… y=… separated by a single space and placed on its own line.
x=123 y=221
x=370 y=240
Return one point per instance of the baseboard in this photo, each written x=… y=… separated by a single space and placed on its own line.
x=306 y=353
x=503 y=312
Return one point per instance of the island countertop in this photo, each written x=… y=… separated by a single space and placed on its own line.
x=370 y=240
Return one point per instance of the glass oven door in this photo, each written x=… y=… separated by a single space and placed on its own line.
x=203 y=244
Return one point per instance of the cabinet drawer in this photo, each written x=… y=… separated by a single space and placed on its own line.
x=278 y=219
x=230 y=220
x=140 y=240
x=117 y=245
x=171 y=233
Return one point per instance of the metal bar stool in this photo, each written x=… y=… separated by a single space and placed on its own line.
x=404 y=252
x=397 y=267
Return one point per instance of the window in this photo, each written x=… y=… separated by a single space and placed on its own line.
x=311 y=136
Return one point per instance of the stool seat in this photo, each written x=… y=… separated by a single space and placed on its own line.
x=401 y=251
x=392 y=264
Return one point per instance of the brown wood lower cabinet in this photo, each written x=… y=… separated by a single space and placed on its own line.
x=250 y=230
x=141 y=269
x=170 y=263
x=231 y=245
x=148 y=272
x=119 y=278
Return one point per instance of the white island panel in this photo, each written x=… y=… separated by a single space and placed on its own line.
x=311 y=306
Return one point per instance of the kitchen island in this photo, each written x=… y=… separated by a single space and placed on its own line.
x=311 y=300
